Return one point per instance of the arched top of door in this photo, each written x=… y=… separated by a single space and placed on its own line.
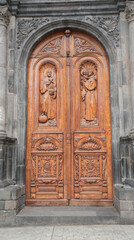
x=58 y=26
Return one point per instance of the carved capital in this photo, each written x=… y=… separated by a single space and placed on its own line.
x=130 y=11
x=4 y=15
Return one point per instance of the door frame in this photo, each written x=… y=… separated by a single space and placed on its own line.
x=21 y=74
x=31 y=100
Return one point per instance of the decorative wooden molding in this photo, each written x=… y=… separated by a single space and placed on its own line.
x=90 y=144
x=46 y=145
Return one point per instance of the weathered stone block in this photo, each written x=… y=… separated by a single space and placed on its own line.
x=12 y=56
x=17 y=192
x=21 y=201
x=126 y=205
x=21 y=174
x=123 y=192
x=1 y=169
x=127 y=214
x=11 y=82
x=10 y=205
x=117 y=171
x=2 y=205
x=11 y=38
x=5 y=194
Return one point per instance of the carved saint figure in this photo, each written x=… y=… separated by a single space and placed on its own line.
x=48 y=96
x=88 y=93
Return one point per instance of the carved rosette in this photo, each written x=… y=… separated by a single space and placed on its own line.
x=4 y=16
x=109 y=24
x=27 y=26
x=129 y=11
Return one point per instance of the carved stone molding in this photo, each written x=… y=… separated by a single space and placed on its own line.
x=109 y=24
x=4 y=15
x=27 y=26
x=129 y=11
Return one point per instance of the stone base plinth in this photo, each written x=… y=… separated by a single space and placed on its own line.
x=12 y=198
x=124 y=201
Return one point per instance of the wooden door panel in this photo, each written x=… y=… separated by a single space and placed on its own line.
x=90 y=175
x=69 y=128
x=47 y=166
x=47 y=179
x=91 y=124
x=46 y=124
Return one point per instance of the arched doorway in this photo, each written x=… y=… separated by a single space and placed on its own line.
x=68 y=123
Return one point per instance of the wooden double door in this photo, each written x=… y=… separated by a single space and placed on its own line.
x=68 y=123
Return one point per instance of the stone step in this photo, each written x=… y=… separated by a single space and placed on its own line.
x=67 y=215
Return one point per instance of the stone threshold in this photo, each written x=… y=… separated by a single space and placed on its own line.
x=68 y=215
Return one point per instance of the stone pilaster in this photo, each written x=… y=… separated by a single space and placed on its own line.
x=4 y=19
x=130 y=18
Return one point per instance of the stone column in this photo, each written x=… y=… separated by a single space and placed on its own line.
x=4 y=19
x=130 y=18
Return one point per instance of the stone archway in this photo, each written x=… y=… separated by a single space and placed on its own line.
x=22 y=73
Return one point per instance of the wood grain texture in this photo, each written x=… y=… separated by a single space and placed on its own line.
x=68 y=123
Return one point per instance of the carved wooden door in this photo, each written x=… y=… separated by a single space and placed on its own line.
x=68 y=130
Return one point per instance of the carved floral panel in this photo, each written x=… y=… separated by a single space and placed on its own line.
x=90 y=166
x=47 y=169
x=47 y=166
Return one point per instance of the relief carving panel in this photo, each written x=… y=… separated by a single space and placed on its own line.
x=90 y=144
x=47 y=166
x=88 y=82
x=47 y=143
x=27 y=26
x=81 y=45
x=53 y=46
x=48 y=95
x=90 y=166
x=110 y=24
x=47 y=169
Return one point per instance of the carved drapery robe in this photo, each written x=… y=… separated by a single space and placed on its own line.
x=48 y=97
x=89 y=98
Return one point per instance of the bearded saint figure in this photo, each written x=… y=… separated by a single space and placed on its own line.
x=88 y=94
x=48 y=96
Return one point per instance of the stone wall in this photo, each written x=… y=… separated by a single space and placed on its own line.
x=23 y=26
